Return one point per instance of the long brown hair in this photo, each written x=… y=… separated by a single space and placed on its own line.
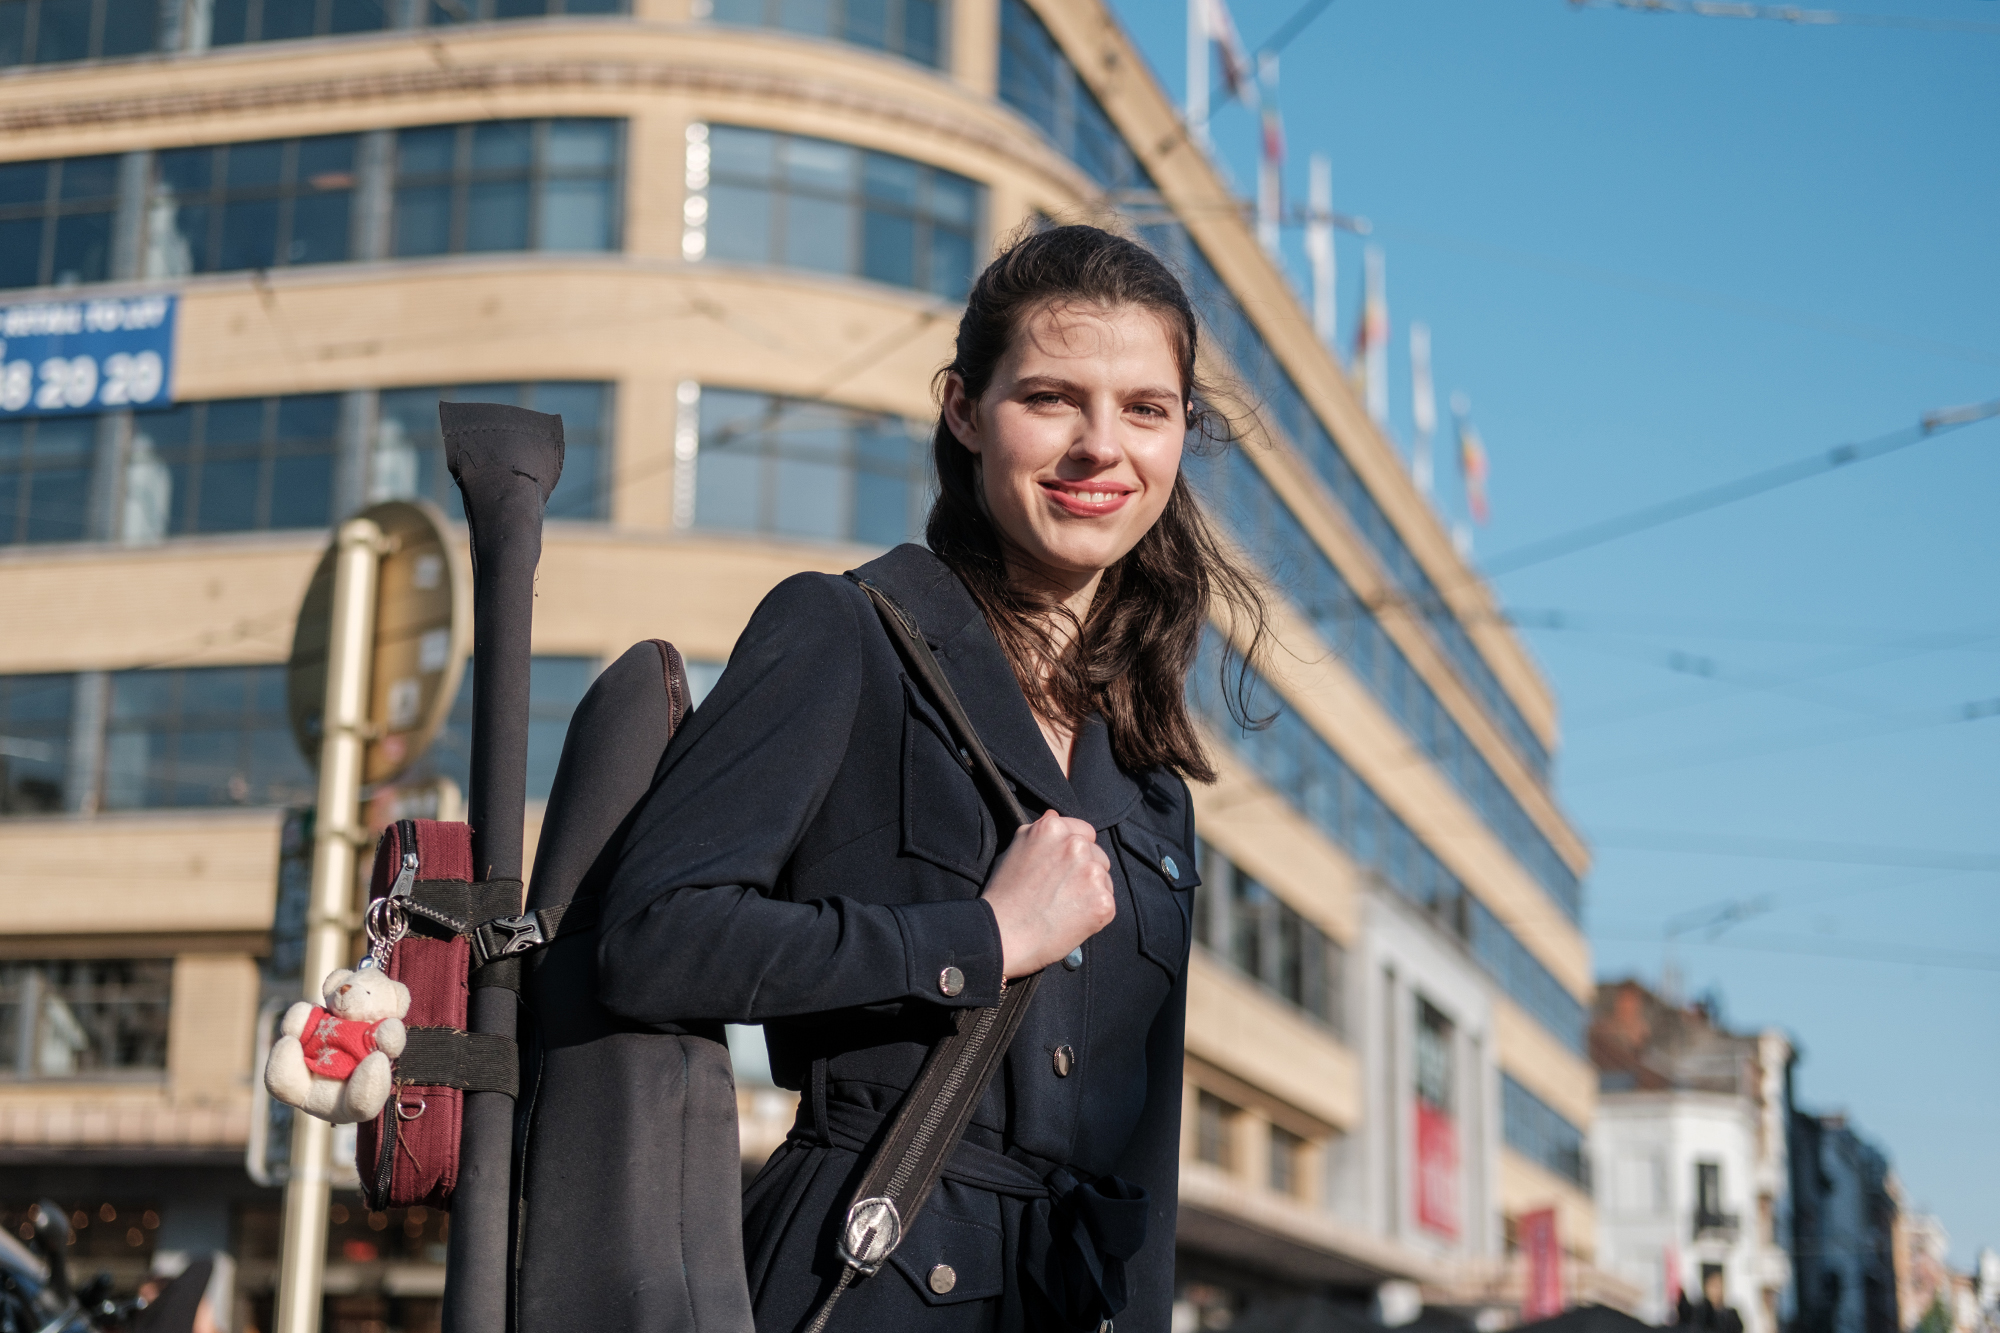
x=1130 y=658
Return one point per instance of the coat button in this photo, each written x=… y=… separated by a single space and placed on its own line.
x=1074 y=958
x=1171 y=870
x=951 y=981
x=943 y=1278
x=1064 y=1059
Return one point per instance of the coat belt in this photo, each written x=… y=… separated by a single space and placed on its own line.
x=1076 y=1235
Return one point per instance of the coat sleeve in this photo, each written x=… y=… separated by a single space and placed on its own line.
x=1153 y=1157
x=690 y=930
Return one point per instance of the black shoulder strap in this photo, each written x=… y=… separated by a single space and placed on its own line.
x=933 y=1117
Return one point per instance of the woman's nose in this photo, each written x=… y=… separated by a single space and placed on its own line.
x=1098 y=441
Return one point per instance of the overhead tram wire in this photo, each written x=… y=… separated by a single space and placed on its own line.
x=1930 y=427
x=1811 y=947
x=1681 y=842
x=1975 y=710
x=1792 y=14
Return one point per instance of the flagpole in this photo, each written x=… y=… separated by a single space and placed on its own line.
x=1423 y=406
x=1197 y=71
x=1271 y=155
x=1319 y=245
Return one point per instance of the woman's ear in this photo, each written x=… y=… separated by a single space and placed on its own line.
x=961 y=413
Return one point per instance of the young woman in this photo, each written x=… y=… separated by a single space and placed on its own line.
x=816 y=858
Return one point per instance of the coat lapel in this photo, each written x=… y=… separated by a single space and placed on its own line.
x=979 y=671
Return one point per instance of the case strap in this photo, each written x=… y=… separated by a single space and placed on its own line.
x=939 y=1106
x=509 y=936
x=451 y=1058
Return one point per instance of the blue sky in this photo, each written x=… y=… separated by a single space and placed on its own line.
x=1659 y=252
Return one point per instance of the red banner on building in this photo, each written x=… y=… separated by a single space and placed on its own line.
x=1536 y=1233
x=1437 y=1170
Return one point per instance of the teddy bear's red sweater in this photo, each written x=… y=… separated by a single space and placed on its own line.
x=335 y=1045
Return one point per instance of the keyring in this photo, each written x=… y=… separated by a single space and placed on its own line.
x=387 y=924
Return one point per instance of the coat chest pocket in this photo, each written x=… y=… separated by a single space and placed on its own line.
x=944 y=820
x=1162 y=875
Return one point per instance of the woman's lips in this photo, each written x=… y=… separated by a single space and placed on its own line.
x=1088 y=499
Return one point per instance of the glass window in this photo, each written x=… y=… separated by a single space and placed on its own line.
x=440 y=13
x=201 y=736
x=1287 y=1161
x=84 y=1018
x=1436 y=1068
x=237 y=21
x=1538 y=1132
x=46 y=466
x=806 y=469
x=1238 y=494
x=270 y=204
x=1244 y=924
x=909 y=28
x=1297 y=762
x=1039 y=81
x=555 y=686
x=34 y=743
x=41 y=32
x=1215 y=1131
x=233 y=465
x=765 y=198
x=507 y=185
x=407 y=461
x=56 y=221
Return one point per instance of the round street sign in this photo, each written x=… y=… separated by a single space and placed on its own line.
x=423 y=635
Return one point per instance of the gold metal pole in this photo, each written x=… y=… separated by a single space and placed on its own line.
x=330 y=919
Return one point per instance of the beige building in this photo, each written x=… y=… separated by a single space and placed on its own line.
x=726 y=239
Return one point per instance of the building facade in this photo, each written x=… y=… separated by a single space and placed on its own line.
x=1691 y=1155
x=1844 y=1225
x=727 y=240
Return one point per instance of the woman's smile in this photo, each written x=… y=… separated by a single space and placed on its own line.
x=1087 y=499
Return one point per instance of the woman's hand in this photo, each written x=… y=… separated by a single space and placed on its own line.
x=1050 y=891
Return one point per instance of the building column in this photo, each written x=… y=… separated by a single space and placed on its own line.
x=374 y=182
x=89 y=709
x=353 y=452
x=972 y=45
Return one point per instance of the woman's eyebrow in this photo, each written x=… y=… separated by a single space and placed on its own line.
x=1057 y=384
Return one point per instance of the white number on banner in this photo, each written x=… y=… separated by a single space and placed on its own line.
x=131 y=379
x=17 y=385
x=67 y=382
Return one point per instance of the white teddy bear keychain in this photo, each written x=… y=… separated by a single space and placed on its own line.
x=333 y=1059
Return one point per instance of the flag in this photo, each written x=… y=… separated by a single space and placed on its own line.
x=1471 y=458
x=1542 y=1297
x=1371 y=339
x=1271 y=158
x=1319 y=245
x=1423 y=405
x=1238 y=74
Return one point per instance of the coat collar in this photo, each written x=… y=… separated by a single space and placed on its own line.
x=924 y=586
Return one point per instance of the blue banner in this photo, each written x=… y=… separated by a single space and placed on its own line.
x=91 y=355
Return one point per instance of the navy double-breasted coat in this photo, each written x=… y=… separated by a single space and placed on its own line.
x=811 y=858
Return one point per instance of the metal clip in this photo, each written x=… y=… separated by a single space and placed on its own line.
x=874 y=1229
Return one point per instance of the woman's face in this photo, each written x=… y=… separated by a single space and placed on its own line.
x=1078 y=438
